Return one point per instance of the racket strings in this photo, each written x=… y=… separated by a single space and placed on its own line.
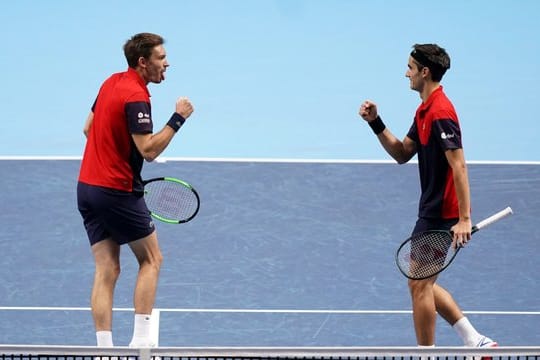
x=171 y=200
x=426 y=254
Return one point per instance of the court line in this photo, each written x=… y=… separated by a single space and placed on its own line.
x=273 y=160
x=286 y=352
x=261 y=311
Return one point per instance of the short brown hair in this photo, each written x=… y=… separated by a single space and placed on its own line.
x=433 y=57
x=141 y=45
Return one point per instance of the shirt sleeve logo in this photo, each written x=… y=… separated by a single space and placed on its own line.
x=144 y=118
x=446 y=136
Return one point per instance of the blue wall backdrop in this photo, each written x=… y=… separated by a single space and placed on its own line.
x=273 y=78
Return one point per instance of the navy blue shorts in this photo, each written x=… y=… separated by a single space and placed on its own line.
x=108 y=213
x=426 y=224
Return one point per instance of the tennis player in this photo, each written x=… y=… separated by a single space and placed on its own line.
x=120 y=137
x=434 y=136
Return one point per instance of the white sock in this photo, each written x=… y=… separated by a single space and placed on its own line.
x=141 y=330
x=467 y=332
x=425 y=347
x=104 y=338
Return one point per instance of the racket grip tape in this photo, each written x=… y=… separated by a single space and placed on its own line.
x=493 y=218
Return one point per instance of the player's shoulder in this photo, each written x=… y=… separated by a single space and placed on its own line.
x=443 y=108
x=114 y=81
x=128 y=87
x=117 y=76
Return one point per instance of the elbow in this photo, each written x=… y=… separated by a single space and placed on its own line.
x=148 y=147
x=149 y=156
x=147 y=152
x=402 y=159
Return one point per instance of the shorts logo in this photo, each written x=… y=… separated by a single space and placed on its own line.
x=151 y=225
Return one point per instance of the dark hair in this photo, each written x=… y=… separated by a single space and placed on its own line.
x=141 y=45
x=433 y=57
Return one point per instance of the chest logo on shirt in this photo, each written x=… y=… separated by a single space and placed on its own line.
x=445 y=136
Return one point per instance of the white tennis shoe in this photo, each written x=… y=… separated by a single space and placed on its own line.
x=484 y=342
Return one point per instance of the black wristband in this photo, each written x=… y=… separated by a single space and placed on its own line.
x=377 y=125
x=176 y=121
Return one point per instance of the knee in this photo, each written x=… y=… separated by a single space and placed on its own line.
x=158 y=260
x=154 y=261
x=108 y=273
x=418 y=287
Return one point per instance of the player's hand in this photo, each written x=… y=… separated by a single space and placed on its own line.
x=184 y=107
x=368 y=110
x=461 y=233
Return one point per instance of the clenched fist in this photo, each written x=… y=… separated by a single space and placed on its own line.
x=184 y=107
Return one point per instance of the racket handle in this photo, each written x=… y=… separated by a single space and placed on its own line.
x=493 y=218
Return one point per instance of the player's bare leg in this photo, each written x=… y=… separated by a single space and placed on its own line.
x=149 y=257
x=446 y=305
x=424 y=311
x=107 y=269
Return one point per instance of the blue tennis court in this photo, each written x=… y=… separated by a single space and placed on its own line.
x=281 y=254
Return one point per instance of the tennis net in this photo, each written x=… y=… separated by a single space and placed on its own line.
x=30 y=352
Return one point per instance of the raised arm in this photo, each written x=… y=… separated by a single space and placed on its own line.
x=151 y=145
x=401 y=151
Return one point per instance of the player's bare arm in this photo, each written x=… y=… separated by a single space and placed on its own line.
x=462 y=230
x=88 y=123
x=401 y=151
x=152 y=145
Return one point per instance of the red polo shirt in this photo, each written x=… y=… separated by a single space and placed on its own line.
x=435 y=130
x=122 y=108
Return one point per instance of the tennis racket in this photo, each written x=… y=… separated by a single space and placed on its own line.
x=171 y=200
x=426 y=254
